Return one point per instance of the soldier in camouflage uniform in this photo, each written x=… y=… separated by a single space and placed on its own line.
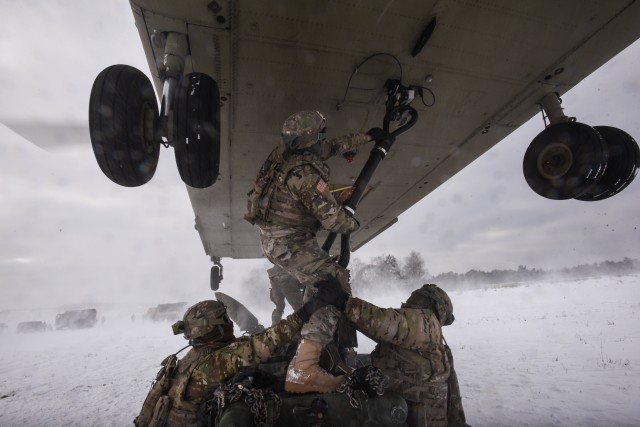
x=182 y=386
x=283 y=286
x=412 y=351
x=290 y=203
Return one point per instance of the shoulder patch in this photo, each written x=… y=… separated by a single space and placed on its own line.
x=321 y=185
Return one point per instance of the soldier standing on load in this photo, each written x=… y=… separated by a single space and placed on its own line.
x=283 y=286
x=290 y=203
x=411 y=350
x=182 y=386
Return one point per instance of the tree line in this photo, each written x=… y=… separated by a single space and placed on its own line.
x=410 y=272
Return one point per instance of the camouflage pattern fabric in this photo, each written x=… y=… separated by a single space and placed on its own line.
x=411 y=351
x=299 y=207
x=204 y=368
x=322 y=325
x=302 y=203
x=283 y=286
x=305 y=260
x=455 y=411
x=302 y=129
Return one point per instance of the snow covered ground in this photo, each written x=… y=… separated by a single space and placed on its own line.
x=543 y=354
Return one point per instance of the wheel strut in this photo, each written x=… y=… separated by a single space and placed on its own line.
x=171 y=70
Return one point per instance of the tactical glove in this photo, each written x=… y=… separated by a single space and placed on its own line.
x=252 y=377
x=380 y=135
x=328 y=292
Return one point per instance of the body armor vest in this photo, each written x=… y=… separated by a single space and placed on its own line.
x=167 y=403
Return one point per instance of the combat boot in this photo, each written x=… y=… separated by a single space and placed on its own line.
x=305 y=375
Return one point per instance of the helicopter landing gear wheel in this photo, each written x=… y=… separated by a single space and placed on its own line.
x=216 y=277
x=622 y=167
x=123 y=112
x=216 y=273
x=565 y=160
x=197 y=130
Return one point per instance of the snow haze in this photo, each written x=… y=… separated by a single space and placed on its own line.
x=540 y=354
x=70 y=236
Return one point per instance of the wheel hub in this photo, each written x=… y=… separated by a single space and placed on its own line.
x=554 y=161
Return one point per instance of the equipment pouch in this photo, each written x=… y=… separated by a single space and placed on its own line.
x=158 y=392
x=455 y=411
x=148 y=407
x=161 y=412
x=259 y=198
x=165 y=374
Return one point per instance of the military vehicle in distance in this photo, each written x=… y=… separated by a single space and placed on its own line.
x=77 y=319
x=32 y=326
x=166 y=312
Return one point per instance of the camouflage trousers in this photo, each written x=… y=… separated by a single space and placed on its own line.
x=283 y=286
x=306 y=261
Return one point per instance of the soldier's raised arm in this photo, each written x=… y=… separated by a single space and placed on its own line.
x=342 y=144
x=409 y=329
x=275 y=339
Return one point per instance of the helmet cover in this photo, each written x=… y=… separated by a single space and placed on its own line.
x=303 y=129
x=429 y=294
x=206 y=321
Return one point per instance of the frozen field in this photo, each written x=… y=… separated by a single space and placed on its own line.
x=544 y=354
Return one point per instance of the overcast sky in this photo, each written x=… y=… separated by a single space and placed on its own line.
x=71 y=236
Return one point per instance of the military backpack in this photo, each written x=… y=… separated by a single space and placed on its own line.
x=273 y=173
x=260 y=196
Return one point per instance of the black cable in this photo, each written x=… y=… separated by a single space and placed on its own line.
x=355 y=70
x=433 y=95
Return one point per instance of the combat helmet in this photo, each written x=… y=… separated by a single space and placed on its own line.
x=204 y=323
x=428 y=294
x=303 y=129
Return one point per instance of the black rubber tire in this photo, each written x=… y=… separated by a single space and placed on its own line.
x=622 y=167
x=197 y=130
x=565 y=160
x=215 y=278
x=123 y=111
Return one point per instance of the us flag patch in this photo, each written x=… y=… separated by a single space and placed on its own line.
x=321 y=186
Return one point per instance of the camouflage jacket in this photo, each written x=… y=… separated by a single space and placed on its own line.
x=203 y=369
x=410 y=346
x=412 y=352
x=301 y=202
